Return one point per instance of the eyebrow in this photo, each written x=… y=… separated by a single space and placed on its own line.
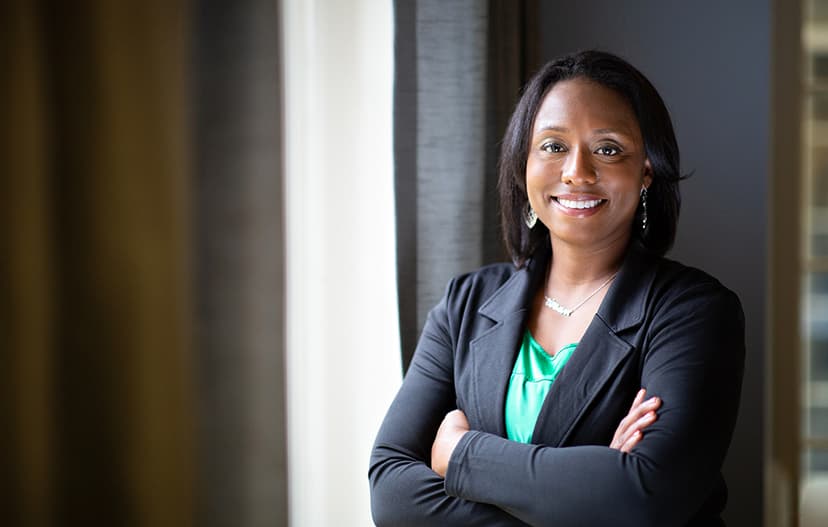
x=551 y=128
x=563 y=129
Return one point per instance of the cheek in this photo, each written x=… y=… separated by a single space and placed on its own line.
x=531 y=169
x=534 y=177
x=627 y=203
x=540 y=173
x=625 y=190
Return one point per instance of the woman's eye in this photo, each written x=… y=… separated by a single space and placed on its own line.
x=608 y=150
x=552 y=147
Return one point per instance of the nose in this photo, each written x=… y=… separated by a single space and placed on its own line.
x=578 y=168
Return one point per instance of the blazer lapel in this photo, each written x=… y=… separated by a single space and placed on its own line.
x=599 y=353
x=494 y=352
x=493 y=356
x=595 y=359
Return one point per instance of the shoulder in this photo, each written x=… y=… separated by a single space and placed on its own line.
x=674 y=280
x=467 y=294
x=682 y=295
x=693 y=321
x=650 y=287
x=479 y=285
x=490 y=276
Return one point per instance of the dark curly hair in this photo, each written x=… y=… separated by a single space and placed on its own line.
x=663 y=197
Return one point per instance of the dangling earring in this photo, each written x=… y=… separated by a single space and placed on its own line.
x=644 y=207
x=530 y=217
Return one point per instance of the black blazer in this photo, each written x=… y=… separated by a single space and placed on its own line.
x=671 y=329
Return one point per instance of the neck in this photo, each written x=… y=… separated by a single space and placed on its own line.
x=572 y=266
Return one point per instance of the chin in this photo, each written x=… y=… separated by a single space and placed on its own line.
x=572 y=237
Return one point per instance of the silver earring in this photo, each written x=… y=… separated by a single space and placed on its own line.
x=531 y=218
x=644 y=207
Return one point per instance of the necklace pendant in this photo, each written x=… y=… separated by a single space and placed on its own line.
x=553 y=304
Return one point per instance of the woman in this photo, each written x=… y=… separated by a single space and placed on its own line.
x=516 y=407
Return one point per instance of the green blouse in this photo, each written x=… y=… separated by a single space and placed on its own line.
x=532 y=377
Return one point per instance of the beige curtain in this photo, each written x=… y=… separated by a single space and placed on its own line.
x=96 y=382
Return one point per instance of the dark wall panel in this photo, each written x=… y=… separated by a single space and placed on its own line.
x=711 y=63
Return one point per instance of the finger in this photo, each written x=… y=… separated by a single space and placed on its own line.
x=633 y=423
x=641 y=415
x=462 y=420
x=452 y=417
x=631 y=441
x=644 y=421
x=637 y=428
x=632 y=415
x=638 y=398
x=625 y=442
x=650 y=405
x=456 y=419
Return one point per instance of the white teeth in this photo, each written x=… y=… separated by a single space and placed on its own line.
x=579 y=204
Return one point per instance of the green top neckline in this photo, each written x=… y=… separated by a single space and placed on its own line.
x=535 y=345
x=532 y=376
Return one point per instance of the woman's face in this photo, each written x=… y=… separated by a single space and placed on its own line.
x=586 y=165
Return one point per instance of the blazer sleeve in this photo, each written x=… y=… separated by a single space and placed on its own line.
x=693 y=359
x=404 y=489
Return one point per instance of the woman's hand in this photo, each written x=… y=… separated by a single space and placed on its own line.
x=452 y=428
x=641 y=415
x=627 y=435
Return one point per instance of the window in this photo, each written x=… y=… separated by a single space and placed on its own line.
x=813 y=475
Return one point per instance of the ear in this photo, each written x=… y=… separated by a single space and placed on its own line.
x=647 y=180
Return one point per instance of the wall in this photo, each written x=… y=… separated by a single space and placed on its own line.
x=710 y=61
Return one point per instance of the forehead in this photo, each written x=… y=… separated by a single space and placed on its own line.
x=585 y=104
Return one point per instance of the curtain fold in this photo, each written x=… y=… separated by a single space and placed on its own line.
x=26 y=276
x=239 y=294
x=123 y=355
x=458 y=73
x=141 y=261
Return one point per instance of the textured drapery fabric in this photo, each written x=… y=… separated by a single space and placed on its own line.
x=27 y=332
x=459 y=69
x=141 y=295
x=97 y=373
x=239 y=295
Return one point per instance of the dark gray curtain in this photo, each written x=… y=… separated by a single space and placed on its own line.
x=242 y=476
x=459 y=68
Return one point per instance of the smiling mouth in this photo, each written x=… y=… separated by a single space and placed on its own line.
x=579 y=204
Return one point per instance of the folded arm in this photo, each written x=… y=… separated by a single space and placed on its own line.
x=693 y=363
x=404 y=490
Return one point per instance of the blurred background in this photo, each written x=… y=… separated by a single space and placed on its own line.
x=223 y=224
